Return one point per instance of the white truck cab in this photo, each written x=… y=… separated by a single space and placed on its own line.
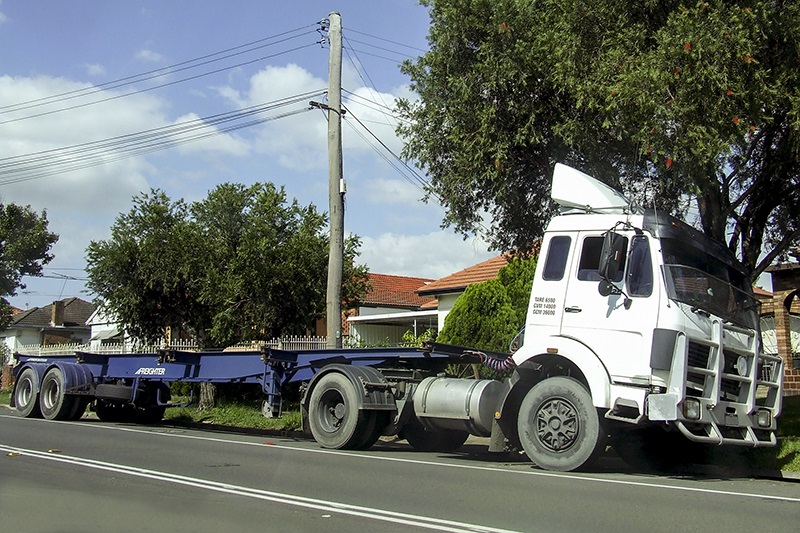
x=654 y=319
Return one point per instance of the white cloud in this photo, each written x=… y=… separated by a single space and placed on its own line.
x=226 y=144
x=95 y=69
x=149 y=56
x=432 y=255
x=295 y=140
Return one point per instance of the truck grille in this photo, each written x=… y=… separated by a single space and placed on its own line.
x=701 y=372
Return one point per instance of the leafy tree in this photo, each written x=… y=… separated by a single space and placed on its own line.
x=242 y=264
x=489 y=315
x=668 y=101
x=149 y=272
x=25 y=246
x=266 y=266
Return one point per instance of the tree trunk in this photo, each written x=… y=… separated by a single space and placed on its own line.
x=208 y=396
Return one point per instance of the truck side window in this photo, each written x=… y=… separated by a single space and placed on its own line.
x=556 y=262
x=640 y=268
x=588 y=268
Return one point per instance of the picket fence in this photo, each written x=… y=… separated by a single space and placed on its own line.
x=283 y=343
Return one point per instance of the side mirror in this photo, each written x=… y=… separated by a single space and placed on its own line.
x=606 y=288
x=611 y=255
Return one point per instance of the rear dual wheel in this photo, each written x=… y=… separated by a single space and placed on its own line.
x=54 y=403
x=26 y=394
x=335 y=419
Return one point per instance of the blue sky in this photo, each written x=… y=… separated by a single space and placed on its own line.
x=52 y=48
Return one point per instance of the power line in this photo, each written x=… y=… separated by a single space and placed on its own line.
x=151 y=74
x=386 y=40
x=147 y=89
x=17 y=169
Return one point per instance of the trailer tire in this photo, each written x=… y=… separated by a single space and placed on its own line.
x=153 y=413
x=54 y=403
x=79 y=408
x=559 y=427
x=26 y=394
x=333 y=414
x=424 y=440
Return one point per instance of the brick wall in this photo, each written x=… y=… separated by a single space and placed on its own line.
x=5 y=377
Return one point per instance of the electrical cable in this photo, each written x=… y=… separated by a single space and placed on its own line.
x=175 y=82
x=146 y=76
x=56 y=161
x=386 y=40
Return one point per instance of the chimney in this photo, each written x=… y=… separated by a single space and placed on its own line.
x=57 y=313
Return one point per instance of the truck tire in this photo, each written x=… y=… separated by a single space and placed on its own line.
x=424 y=440
x=53 y=402
x=26 y=394
x=152 y=412
x=558 y=426
x=333 y=414
x=372 y=429
x=79 y=408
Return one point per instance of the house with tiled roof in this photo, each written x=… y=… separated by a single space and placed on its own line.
x=446 y=290
x=61 y=322
x=390 y=308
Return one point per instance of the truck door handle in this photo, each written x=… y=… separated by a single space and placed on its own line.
x=573 y=309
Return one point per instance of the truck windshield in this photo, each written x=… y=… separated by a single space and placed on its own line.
x=705 y=282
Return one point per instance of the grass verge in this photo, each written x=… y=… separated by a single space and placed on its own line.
x=234 y=415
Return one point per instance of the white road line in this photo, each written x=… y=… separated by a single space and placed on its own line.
x=539 y=473
x=276 y=497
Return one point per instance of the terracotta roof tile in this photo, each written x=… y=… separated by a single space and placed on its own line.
x=464 y=278
x=396 y=291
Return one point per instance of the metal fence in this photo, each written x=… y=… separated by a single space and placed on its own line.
x=283 y=343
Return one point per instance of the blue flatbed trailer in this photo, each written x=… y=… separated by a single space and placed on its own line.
x=135 y=387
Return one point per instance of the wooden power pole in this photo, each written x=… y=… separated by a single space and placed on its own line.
x=335 y=184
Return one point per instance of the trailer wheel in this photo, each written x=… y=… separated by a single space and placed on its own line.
x=26 y=394
x=424 y=440
x=559 y=427
x=53 y=402
x=79 y=408
x=334 y=417
x=152 y=412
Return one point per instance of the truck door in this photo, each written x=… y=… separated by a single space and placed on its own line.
x=620 y=335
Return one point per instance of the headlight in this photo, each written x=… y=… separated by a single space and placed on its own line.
x=691 y=409
x=741 y=366
x=764 y=418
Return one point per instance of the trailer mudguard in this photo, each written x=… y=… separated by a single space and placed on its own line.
x=373 y=391
x=597 y=377
x=78 y=378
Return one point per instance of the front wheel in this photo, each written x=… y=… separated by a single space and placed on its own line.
x=559 y=428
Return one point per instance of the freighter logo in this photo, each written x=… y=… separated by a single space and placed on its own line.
x=145 y=371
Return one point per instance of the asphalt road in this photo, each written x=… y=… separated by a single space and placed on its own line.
x=93 y=476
